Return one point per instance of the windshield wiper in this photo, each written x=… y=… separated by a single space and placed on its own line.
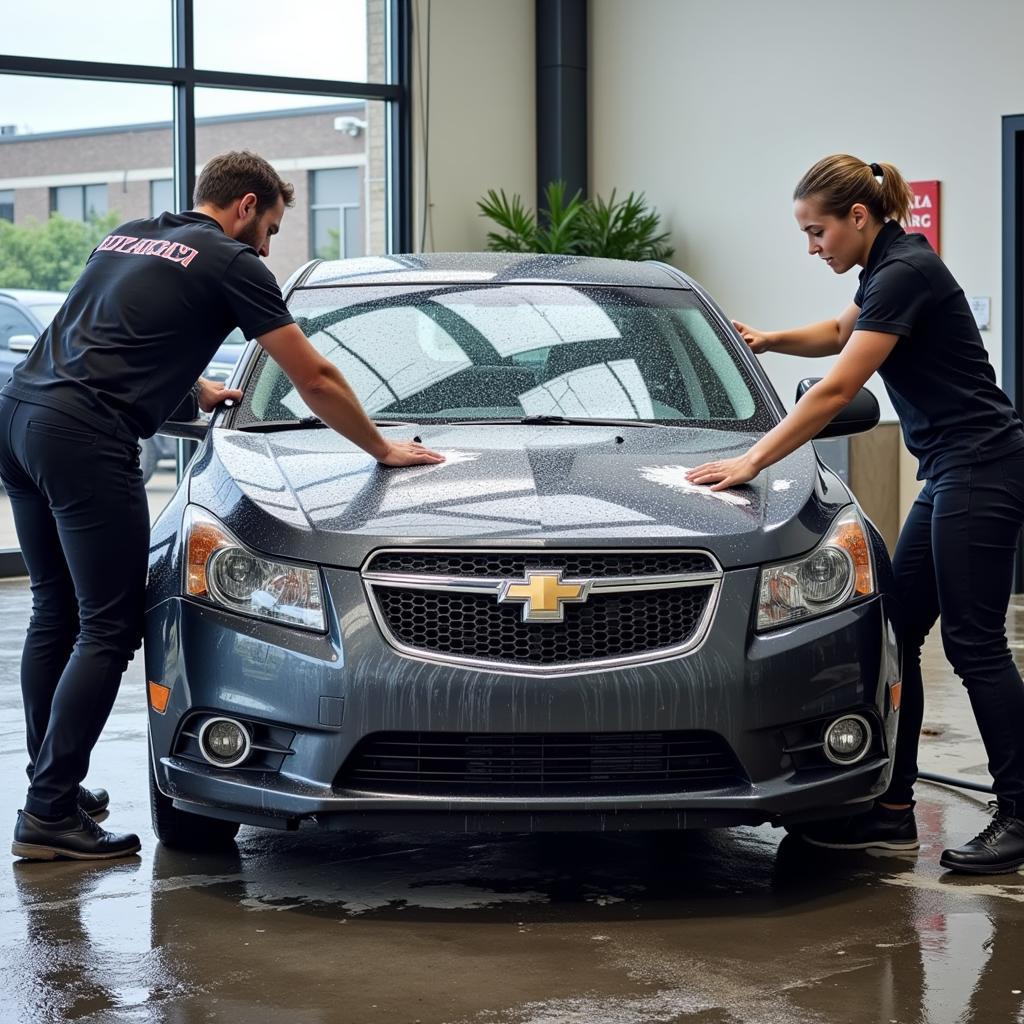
x=312 y=422
x=545 y=419
x=303 y=423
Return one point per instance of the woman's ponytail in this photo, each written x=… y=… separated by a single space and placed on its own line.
x=839 y=181
x=897 y=195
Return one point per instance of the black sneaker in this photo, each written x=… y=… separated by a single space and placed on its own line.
x=76 y=836
x=878 y=829
x=93 y=801
x=997 y=850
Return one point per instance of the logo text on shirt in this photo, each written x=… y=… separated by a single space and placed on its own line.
x=173 y=251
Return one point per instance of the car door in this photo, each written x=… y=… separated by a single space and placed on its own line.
x=14 y=323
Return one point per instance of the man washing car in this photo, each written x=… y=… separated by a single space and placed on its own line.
x=153 y=303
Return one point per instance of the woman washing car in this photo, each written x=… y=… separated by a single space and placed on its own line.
x=910 y=322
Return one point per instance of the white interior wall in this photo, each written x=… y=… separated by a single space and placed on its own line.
x=715 y=109
x=482 y=135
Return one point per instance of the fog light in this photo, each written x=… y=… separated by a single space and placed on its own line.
x=847 y=739
x=224 y=742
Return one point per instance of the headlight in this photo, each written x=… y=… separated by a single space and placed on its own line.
x=221 y=570
x=837 y=571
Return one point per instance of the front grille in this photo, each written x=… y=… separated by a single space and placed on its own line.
x=608 y=625
x=550 y=764
x=513 y=564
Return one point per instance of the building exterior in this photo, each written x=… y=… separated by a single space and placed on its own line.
x=324 y=151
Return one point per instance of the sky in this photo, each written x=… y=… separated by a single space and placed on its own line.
x=309 y=38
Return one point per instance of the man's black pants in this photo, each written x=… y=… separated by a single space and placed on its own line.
x=954 y=562
x=83 y=524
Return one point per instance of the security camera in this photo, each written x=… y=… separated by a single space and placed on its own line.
x=349 y=125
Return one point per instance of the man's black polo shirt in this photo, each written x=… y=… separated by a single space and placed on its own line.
x=151 y=307
x=938 y=375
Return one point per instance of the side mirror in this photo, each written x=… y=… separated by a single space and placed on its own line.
x=21 y=342
x=186 y=421
x=191 y=430
x=860 y=415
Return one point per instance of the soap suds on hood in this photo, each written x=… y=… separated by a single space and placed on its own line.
x=675 y=477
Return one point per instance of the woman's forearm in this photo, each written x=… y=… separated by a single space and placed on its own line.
x=812 y=340
x=817 y=407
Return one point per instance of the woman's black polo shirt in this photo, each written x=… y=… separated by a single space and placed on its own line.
x=943 y=388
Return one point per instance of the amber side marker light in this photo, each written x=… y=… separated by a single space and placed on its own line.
x=203 y=539
x=159 y=695
x=896 y=693
x=851 y=538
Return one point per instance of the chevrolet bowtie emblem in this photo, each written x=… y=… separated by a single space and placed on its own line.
x=544 y=595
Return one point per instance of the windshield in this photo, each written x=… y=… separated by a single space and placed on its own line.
x=451 y=353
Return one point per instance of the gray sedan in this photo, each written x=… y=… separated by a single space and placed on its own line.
x=553 y=628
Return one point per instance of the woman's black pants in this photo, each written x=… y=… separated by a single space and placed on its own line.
x=954 y=563
x=83 y=525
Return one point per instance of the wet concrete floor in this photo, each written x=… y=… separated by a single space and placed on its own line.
x=747 y=925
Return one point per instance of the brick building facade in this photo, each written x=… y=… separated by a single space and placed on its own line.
x=131 y=165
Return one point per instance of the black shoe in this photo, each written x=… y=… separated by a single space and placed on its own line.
x=93 y=801
x=877 y=829
x=996 y=850
x=76 y=836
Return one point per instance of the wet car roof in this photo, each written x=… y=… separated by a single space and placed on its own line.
x=493 y=268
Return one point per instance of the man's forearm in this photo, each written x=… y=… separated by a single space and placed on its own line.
x=334 y=401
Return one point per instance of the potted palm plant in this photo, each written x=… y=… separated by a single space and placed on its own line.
x=625 y=229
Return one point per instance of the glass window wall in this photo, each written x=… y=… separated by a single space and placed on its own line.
x=331 y=150
x=80 y=153
x=70 y=184
x=317 y=39
x=139 y=32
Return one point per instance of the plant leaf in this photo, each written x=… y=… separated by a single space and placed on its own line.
x=519 y=224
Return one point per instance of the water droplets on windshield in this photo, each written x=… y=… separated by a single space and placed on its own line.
x=469 y=351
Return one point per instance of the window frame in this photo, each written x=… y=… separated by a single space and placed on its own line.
x=184 y=78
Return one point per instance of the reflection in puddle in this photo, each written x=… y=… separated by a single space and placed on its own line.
x=526 y=929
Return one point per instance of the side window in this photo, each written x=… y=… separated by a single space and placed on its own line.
x=13 y=321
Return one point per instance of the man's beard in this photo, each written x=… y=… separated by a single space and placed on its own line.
x=251 y=234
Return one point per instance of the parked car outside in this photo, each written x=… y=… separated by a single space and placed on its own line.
x=24 y=314
x=551 y=629
x=223 y=363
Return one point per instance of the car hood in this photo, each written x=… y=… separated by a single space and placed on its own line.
x=311 y=495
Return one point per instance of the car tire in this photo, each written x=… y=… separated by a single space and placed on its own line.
x=148 y=458
x=182 y=830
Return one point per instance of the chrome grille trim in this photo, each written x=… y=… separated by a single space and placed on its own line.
x=480 y=585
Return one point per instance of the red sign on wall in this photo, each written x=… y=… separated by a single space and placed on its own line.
x=924 y=212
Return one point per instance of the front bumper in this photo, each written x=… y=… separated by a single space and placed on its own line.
x=751 y=690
